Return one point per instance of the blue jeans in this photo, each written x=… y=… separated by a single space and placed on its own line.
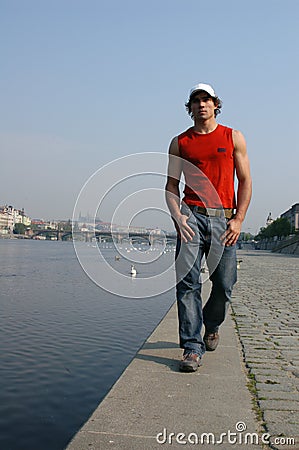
x=222 y=265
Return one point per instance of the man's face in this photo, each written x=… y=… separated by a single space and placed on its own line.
x=202 y=106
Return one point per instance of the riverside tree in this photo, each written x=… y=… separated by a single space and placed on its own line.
x=19 y=228
x=281 y=227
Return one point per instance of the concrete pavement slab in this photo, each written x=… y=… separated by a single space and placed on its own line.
x=152 y=402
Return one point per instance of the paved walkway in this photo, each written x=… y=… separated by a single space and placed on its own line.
x=152 y=402
x=265 y=305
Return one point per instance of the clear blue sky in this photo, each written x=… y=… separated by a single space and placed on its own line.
x=85 y=82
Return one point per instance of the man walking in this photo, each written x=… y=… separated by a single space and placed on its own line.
x=208 y=220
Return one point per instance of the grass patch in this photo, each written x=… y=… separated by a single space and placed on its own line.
x=251 y=385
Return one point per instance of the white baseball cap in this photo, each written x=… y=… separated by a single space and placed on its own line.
x=203 y=87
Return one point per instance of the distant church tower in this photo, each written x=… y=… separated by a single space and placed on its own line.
x=269 y=220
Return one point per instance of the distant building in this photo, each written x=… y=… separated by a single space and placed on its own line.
x=44 y=225
x=38 y=221
x=9 y=216
x=269 y=220
x=6 y=218
x=292 y=215
x=20 y=217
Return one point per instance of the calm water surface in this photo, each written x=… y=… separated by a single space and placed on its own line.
x=64 y=342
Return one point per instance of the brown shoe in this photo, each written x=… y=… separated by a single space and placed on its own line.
x=211 y=341
x=190 y=362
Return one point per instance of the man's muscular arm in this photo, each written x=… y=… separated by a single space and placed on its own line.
x=244 y=189
x=172 y=193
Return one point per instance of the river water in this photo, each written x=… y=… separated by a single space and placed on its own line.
x=64 y=341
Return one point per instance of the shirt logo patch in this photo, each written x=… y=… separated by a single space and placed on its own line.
x=221 y=150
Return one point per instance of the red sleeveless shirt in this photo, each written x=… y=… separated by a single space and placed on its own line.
x=208 y=167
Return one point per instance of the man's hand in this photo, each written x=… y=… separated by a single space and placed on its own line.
x=232 y=233
x=183 y=228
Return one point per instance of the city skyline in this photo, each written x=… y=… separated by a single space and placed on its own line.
x=86 y=218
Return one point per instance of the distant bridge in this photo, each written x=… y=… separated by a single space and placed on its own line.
x=60 y=235
x=148 y=237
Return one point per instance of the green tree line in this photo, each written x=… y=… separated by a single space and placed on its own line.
x=281 y=227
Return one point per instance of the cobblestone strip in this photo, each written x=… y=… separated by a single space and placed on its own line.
x=265 y=309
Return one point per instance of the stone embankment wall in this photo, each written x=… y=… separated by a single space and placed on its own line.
x=290 y=250
x=288 y=246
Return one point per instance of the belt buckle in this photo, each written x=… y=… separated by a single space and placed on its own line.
x=212 y=212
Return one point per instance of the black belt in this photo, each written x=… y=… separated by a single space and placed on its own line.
x=228 y=213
